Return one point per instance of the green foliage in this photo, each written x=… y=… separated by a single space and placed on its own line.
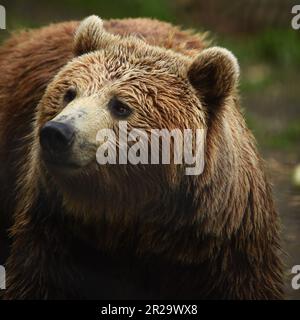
x=278 y=47
x=125 y=8
x=288 y=138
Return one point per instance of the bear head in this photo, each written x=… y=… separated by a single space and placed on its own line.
x=113 y=80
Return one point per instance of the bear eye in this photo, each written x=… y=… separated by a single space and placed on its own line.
x=70 y=95
x=118 y=108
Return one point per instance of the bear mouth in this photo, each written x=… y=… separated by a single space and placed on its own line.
x=65 y=166
x=55 y=164
x=62 y=164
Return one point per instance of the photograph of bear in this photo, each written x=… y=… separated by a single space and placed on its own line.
x=90 y=232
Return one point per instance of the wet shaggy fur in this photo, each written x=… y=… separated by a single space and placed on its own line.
x=134 y=232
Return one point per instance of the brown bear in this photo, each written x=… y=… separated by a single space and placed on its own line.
x=86 y=230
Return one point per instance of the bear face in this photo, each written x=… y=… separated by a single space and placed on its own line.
x=113 y=79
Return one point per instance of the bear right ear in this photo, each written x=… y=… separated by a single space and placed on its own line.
x=214 y=74
x=91 y=36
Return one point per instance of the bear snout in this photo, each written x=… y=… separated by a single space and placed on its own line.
x=56 y=139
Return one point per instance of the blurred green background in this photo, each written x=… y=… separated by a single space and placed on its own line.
x=259 y=33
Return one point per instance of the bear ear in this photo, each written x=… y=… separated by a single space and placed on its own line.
x=89 y=35
x=214 y=74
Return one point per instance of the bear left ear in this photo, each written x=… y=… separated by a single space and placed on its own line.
x=91 y=36
x=214 y=74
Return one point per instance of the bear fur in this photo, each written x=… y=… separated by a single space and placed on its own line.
x=116 y=233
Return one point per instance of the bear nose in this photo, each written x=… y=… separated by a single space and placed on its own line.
x=56 y=136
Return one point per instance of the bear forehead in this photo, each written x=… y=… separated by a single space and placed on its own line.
x=123 y=63
x=134 y=54
x=141 y=62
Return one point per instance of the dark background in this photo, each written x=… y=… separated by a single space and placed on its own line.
x=259 y=33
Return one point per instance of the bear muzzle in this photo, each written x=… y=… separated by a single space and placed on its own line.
x=56 y=140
